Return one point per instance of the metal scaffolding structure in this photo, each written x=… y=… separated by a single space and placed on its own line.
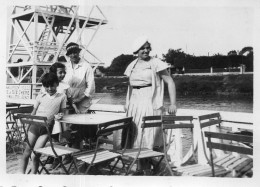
x=39 y=35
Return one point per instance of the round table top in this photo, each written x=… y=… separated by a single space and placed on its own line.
x=90 y=119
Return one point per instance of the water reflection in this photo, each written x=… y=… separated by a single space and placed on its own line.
x=202 y=102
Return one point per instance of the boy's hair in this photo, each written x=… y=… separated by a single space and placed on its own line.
x=49 y=79
x=55 y=66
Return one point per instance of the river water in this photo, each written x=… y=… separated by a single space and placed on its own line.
x=202 y=102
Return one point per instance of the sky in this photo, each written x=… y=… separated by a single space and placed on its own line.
x=198 y=31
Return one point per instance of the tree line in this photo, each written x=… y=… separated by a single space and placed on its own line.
x=178 y=59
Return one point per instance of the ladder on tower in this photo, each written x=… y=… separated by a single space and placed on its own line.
x=44 y=43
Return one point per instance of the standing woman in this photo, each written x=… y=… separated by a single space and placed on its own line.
x=147 y=76
x=80 y=77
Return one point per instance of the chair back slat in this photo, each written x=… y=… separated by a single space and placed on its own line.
x=209 y=116
x=178 y=126
x=147 y=118
x=27 y=109
x=170 y=118
x=125 y=120
x=113 y=128
x=151 y=124
x=232 y=148
x=32 y=117
x=21 y=110
x=234 y=137
x=31 y=122
x=210 y=123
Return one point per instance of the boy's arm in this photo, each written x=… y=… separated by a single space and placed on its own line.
x=35 y=107
x=63 y=104
x=62 y=110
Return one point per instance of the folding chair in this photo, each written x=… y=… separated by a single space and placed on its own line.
x=103 y=155
x=52 y=150
x=13 y=130
x=170 y=122
x=145 y=153
x=15 y=126
x=239 y=165
x=206 y=121
x=210 y=122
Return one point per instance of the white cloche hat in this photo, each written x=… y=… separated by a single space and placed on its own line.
x=138 y=43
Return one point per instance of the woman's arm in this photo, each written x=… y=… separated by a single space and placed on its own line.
x=171 y=89
x=76 y=108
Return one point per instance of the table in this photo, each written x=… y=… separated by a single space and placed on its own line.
x=94 y=120
x=90 y=119
x=9 y=107
x=21 y=101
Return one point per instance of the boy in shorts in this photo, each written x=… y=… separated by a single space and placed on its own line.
x=50 y=104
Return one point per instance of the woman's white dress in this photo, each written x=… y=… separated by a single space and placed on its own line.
x=141 y=101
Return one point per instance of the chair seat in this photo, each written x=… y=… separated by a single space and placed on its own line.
x=237 y=165
x=145 y=152
x=102 y=155
x=232 y=161
x=199 y=170
x=60 y=150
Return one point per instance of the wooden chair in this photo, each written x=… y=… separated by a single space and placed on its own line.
x=52 y=150
x=170 y=122
x=209 y=120
x=223 y=163
x=144 y=153
x=239 y=165
x=103 y=155
x=14 y=129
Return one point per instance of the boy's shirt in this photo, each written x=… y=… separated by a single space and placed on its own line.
x=49 y=106
x=62 y=88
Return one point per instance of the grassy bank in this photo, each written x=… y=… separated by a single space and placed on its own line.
x=185 y=84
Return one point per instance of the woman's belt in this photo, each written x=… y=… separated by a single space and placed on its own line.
x=138 y=87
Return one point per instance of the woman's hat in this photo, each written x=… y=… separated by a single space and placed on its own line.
x=72 y=47
x=138 y=43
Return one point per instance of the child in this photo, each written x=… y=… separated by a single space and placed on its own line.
x=59 y=70
x=49 y=104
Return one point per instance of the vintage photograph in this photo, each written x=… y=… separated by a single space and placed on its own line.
x=126 y=90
